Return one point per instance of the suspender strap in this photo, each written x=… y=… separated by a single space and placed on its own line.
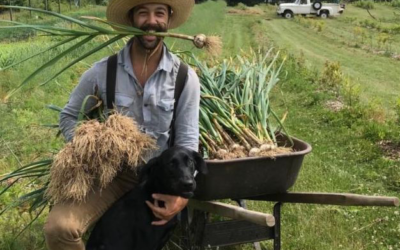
x=111 y=81
x=179 y=85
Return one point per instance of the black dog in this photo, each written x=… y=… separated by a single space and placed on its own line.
x=127 y=224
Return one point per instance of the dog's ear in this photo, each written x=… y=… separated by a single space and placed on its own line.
x=201 y=165
x=145 y=171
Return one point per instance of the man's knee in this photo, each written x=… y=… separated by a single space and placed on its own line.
x=61 y=229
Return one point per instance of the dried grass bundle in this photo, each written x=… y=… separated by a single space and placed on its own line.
x=95 y=155
x=69 y=178
x=214 y=45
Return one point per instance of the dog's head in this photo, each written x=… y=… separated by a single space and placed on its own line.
x=173 y=172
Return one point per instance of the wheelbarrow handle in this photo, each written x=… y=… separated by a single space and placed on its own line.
x=233 y=212
x=342 y=199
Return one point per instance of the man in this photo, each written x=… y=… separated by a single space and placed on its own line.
x=146 y=74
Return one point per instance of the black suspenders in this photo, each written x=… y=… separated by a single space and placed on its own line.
x=179 y=85
x=111 y=80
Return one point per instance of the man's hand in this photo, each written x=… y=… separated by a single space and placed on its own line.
x=173 y=205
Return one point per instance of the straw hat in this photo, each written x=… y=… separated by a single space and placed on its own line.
x=117 y=10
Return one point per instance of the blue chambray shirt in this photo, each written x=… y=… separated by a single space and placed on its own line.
x=151 y=107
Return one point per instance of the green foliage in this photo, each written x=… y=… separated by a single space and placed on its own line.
x=243 y=2
x=6 y=59
x=331 y=76
x=13 y=2
x=345 y=157
x=365 y=4
x=395 y=3
x=397 y=109
x=370 y=24
x=241 y=6
x=350 y=92
x=310 y=23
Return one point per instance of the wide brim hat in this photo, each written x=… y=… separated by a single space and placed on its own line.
x=117 y=10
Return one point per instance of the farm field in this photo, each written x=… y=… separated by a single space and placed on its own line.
x=346 y=155
x=349 y=39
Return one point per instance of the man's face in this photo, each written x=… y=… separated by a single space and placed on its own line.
x=150 y=17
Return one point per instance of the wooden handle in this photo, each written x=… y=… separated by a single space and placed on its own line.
x=233 y=212
x=331 y=199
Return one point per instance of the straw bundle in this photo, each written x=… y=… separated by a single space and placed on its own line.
x=95 y=155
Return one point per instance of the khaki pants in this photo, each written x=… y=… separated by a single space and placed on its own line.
x=68 y=221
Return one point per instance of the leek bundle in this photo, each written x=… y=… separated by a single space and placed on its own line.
x=236 y=117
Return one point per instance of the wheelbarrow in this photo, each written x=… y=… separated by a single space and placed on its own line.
x=261 y=179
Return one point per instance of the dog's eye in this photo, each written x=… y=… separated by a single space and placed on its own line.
x=191 y=164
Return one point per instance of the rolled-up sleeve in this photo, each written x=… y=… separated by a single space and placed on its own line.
x=69 y=115
x=187 y=114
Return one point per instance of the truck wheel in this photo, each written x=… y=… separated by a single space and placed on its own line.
x=324 y=14
x=288 y=14
x=317 y=5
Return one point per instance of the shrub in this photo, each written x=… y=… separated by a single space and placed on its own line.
x=395 y=3
x=397 y=109
x=350 y=92
x=241 y=6
x=368 y=5
x=13 y=2
x=369 y=24
x=245 y=2
x=6 y=59
x=331 y=77
x=319 y=26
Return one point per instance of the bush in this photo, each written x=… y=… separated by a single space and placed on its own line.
x=397 y=110
x=368 y=5
x=395 y=3
x=331 y=76
x=245 y=2
x=13 y=2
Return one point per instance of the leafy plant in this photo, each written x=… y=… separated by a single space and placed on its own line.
x=331 y=76
x=6 y=60
x=81 y=33
x=365 y=4
x=395 y=3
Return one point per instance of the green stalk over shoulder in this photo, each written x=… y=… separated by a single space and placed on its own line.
x=91 y=52
x=41 y=52
x=49 y=63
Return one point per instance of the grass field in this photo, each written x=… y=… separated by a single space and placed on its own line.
x=345 y=157
x=343 y=39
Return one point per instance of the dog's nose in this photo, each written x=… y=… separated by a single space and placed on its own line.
x=188 y=184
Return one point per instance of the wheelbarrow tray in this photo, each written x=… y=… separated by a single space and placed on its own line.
x=252 y=176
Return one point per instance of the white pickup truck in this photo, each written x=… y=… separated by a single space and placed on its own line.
x=306 y=7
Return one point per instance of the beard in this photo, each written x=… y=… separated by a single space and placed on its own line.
x=151 y=42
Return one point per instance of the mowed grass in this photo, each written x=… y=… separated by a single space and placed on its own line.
x=343 y=160
x=377 y=74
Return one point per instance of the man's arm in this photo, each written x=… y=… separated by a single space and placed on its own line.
x=69 y=115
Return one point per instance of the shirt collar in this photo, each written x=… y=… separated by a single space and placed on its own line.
x=124 y=59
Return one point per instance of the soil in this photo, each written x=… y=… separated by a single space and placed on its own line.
x=249 y=11
x=334 y=106
x=390 y=149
